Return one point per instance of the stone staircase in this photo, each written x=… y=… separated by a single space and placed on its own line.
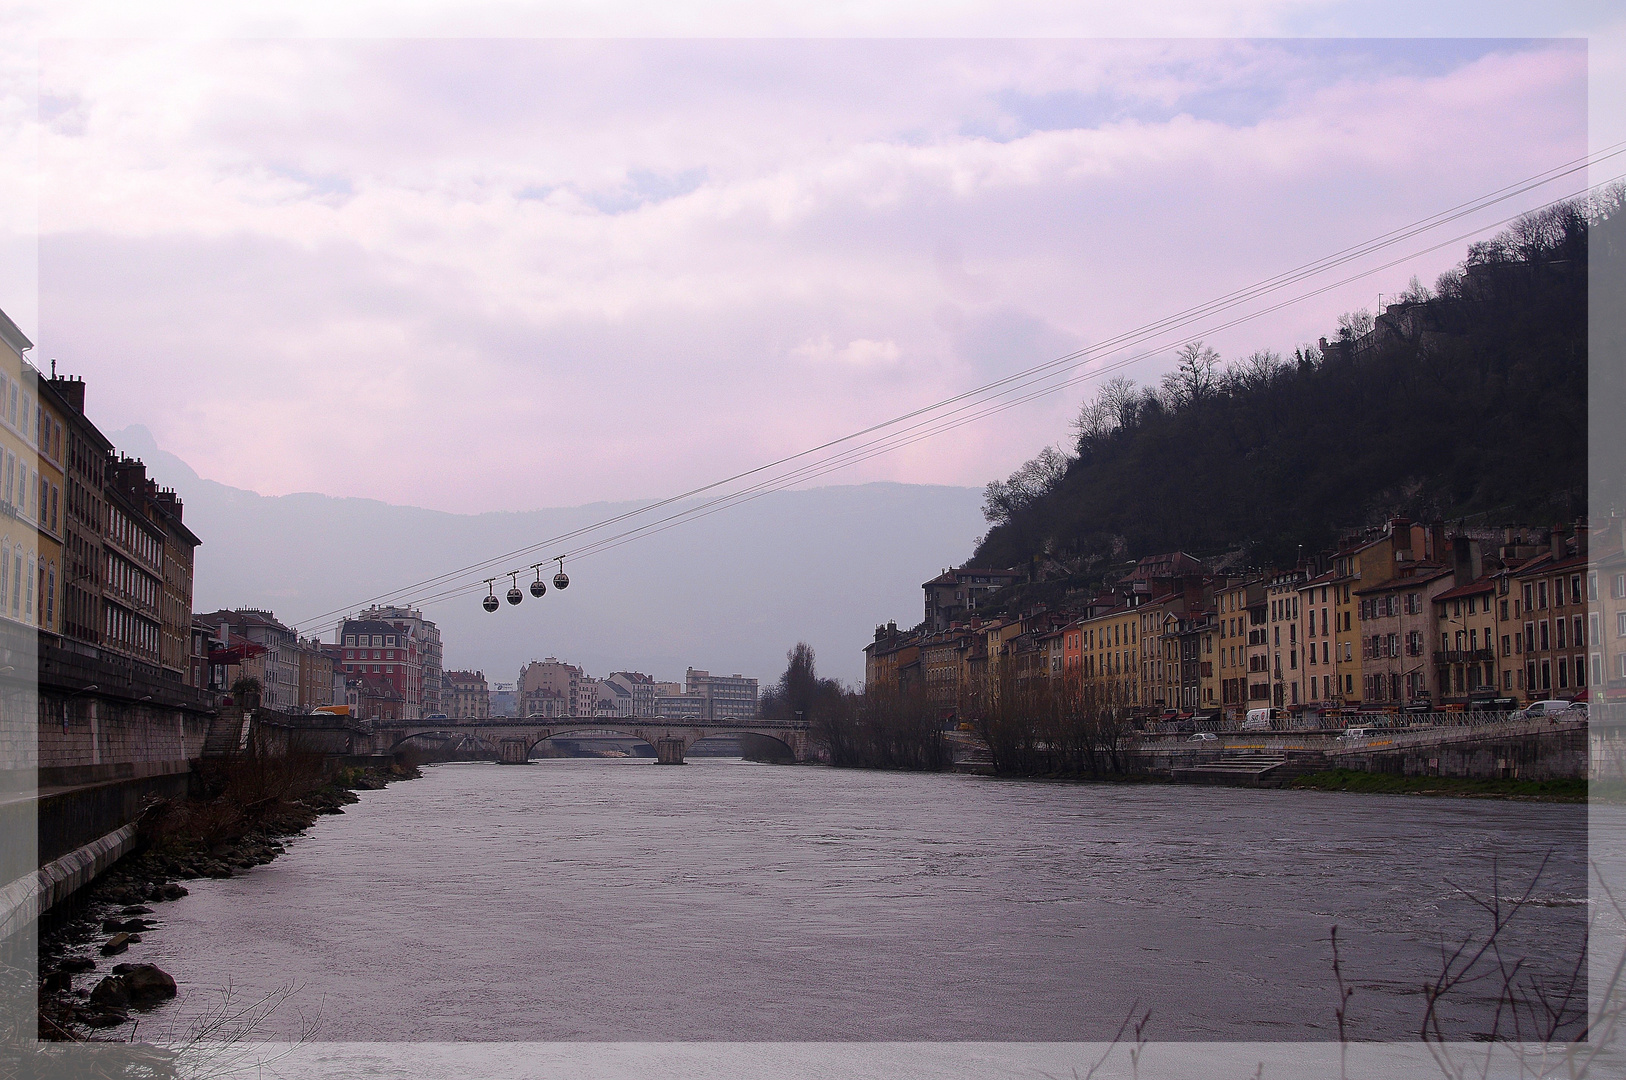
x=228 y=734
x=1236 y=769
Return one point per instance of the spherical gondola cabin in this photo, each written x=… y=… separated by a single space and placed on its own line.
x=537 y=588
x=514 y=595
x=489 y=603
x=561 y=580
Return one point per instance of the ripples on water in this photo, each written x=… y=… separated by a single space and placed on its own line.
x=619 y=900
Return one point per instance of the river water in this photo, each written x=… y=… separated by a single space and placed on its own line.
x=583 y=899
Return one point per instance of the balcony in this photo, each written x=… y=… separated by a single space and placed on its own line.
x=1465 y=656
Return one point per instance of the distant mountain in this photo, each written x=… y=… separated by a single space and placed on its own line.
x=729 y=593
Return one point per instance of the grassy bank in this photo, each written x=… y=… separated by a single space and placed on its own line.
x=1389 y=784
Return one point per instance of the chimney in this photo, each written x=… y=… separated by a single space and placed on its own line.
x=1435 y=546
x=71 y=390
x=1466 y=560
x=1400 y=539
x=1560 y=549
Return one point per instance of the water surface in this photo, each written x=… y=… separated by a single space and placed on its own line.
x=620 y=900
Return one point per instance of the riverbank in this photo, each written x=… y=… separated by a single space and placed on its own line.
x=1392 y=784
x=1349 y=780
x=248 y=809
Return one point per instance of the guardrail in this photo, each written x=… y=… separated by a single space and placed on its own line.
x=1308 y=725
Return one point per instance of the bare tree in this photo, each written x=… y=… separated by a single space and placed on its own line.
x=1416 y=292
x=1003 y=499
x=1254 y=372
x=1354 y=324
x=1193 y=379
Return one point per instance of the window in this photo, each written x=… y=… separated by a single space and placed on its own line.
x=1541 y=593
x=1563 y=673
x=1507 y=646
x=1502 y=612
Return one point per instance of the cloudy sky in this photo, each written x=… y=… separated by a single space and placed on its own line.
x=472 y=274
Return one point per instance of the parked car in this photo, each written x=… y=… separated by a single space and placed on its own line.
x=1551 y=707
x=1204 y=736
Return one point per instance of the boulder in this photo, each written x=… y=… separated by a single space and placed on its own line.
x=136 y=909
x=146 y=984
x=117 y=944
x=56 y=981
x=76 y=964
x=112 y=992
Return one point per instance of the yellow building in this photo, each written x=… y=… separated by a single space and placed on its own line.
x=1243 y=655
x=1109 y=649
x=1318 y=605
x=1365 y=563
x=31 y=441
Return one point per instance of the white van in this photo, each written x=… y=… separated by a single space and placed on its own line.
x=1551 y=707
x=1352 y=733
x=1259 y=719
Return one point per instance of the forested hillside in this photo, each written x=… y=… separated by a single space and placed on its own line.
x=1468 y=400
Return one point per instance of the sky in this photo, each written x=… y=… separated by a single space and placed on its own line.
x=473 y=274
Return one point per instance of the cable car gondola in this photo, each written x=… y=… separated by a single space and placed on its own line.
x=561 y=580
x=514 y=595
x=537 y=588
x=490 y=602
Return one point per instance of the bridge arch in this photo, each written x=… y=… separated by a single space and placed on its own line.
x=576 y=732
x=620 y=727
x=444 y=733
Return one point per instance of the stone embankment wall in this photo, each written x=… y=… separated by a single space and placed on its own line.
x=1520 y=750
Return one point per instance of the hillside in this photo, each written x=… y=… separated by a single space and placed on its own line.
x=1468 y=401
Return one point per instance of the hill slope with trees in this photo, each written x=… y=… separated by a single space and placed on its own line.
x=1467 y=401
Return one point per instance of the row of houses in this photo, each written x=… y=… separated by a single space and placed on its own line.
x=551 y=688
x=1402 y=617
x=384 y=663
x=94 y=555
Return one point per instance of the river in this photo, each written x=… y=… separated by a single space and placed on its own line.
x=583 y=899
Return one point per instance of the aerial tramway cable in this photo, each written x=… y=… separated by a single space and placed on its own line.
x=985 y=400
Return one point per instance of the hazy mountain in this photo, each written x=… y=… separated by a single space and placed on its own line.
x=730 y=592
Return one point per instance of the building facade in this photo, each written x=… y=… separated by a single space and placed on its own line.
x=389 y=651
x=724 y=697
x=464 y=696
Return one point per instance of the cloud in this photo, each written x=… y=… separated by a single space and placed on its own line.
x=473 y=274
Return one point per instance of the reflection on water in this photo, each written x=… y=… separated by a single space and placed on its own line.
x=619 y=900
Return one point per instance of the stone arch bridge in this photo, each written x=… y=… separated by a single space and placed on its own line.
x=513 y=740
